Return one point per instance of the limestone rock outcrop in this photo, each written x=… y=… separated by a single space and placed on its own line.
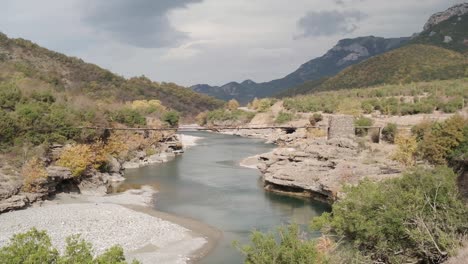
x=320 y=168
x=457 y=10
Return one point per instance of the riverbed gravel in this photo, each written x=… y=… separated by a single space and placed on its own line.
x=144 y=237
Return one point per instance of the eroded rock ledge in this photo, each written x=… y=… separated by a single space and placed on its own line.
x=320 y=168
x=92 y=182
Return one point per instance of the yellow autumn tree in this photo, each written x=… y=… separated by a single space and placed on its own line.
x=232 y=104
x=77 y=158
x=406 y=149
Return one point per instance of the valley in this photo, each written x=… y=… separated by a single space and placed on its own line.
x=359 y=156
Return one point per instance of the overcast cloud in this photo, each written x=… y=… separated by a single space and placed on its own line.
x=208 y=41
x=329 y=23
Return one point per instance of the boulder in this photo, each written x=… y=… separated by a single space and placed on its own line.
x=114 y=165
x=15 y=202
x=96 y=184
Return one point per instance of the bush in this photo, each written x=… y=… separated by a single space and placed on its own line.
x=33 y=171
x=31 y=247
x=290 y=249
x=8 y=128
x=416 y=218
x=78 y=158
x=232 y=105
x=129 y=117
x=35 y=247
x=263 y=105
x=406 y=150
x=362 y=122
x=172 y=118
x=284 y=117
x=389 y=132
x=9 y=97
x=441 y=139
x=315 y=118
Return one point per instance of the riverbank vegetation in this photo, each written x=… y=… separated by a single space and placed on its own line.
x=36 y=247
x=419 y=217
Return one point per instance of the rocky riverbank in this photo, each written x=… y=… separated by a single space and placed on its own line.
x=60 y=179
x=312 y=166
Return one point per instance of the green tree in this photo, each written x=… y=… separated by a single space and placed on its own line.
x=172 y=118
x=29 y=248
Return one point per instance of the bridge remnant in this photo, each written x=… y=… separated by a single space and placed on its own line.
x=341 y=127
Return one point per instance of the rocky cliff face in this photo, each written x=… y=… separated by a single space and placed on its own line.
x=346 y=53
x=437 y=18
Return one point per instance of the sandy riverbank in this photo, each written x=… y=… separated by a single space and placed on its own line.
x=125 y=219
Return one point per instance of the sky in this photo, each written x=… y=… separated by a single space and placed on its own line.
x=208 y=41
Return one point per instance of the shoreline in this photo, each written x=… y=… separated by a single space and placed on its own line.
x=128 y=219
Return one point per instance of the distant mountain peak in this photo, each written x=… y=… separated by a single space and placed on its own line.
x=437 y=18
x=345 y=53
x=248 y=82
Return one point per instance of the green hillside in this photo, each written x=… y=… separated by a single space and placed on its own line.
x=74 y=76
x=413 y=63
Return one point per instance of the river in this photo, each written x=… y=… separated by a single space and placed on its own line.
x=206 y=183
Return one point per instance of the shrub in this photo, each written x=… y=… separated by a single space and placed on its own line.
x=9 y=96
x=315 y=118
x=263 y=105
x=31 y=247
x=442 y=139
x=367 y=107
x=172 y=118
x=290 y=249
x=78 y=158
x=420 y=216
x=32 y=171
x=232 y=105
x=389 y=132
x=8 y=128
x=362 y=122
x=284 y=117
x=129 y=117
x=35 y=247
x=406 y=150
x=201 y=118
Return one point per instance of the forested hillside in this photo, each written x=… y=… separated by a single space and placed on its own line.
x=19 y=57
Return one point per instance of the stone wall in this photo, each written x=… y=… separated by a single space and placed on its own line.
x=341 y=127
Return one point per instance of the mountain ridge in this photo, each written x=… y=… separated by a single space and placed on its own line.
x=345 y=53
